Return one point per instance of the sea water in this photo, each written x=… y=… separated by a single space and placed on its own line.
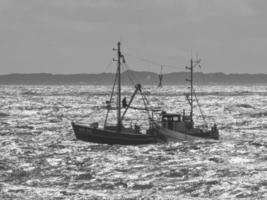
x=40 y=157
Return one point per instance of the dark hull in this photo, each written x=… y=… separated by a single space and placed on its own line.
x=103 y=136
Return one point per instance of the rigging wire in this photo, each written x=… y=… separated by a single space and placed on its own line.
x=199 y=106
x=150 y=117
x=204 y=80
x=104 y=71
x=201 y=112
x=145 y=100
x=127 y=72
x=153 y=62
x=111 y=96
x=107 y=66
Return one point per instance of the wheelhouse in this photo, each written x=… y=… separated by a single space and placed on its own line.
x=176 y=122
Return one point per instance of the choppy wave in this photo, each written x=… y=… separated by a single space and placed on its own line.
x=244 y=105
x=259 y=114
x=41 y=159
x=3 y=114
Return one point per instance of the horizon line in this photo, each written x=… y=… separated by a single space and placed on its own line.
x=99 y=73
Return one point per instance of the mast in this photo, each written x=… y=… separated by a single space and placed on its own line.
x=119 y=56
x=160 y=77
x=119 y=86
x=190 y=99
x=193 y=63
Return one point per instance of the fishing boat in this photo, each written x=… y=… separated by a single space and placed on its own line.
x=179 y=126
x=118 y=133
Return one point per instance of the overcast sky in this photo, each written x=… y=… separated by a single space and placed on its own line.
x=77 y=36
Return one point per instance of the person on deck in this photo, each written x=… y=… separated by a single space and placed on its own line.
x=124 y=102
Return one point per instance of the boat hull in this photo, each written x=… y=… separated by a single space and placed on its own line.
x=174 y=135
x=171 y=135
x=103 y=136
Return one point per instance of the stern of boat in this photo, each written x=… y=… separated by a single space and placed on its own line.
x=214 y=132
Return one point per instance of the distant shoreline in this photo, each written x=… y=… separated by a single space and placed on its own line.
x=146 y=78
